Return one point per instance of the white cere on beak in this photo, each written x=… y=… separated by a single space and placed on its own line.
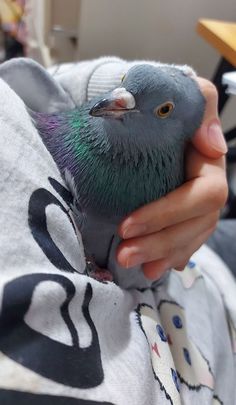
x=124 y=97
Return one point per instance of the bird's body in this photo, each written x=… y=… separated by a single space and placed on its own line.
x=124 y=151
x=112 y=180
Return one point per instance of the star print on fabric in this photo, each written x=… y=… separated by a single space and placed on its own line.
x=155 y=349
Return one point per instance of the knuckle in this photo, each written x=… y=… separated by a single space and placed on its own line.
x=210 y=94
x=169 y=250
x=150 y=249
x=211 y=230
x=213 y=219
x=210 y=90
x=169 y=211
x=160 y=245
x=218 y=193
x=160 y=217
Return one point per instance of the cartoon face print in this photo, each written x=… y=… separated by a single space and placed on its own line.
x=216 y=401
x=192 y=368
x=161 y=358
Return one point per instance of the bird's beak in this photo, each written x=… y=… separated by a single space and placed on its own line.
x=116 y=105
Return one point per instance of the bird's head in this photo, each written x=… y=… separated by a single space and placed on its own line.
x=158 y=105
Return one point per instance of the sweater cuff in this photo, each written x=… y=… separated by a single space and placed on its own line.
x=89 y=79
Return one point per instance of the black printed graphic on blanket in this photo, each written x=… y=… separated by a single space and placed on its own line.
x=38 y=203
x=9 y=397
x=68 y=364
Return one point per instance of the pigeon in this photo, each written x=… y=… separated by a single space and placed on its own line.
x=125 y=149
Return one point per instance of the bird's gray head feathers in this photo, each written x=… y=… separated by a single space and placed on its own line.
x=154 y=106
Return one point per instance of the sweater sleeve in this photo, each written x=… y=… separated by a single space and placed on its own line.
x=88 y=79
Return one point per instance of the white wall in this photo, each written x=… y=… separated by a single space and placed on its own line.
x=152 y=29
x=163 y=30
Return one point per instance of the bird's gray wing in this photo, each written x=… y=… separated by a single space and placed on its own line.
x=97 y=236
x=97 y=232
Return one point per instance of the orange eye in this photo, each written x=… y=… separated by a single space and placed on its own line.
x=164 y=110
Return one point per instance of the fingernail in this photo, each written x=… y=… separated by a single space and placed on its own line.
x=134 y=230
x=179 y=269
x=134 y=260
x=131 y=257
x=216 y=137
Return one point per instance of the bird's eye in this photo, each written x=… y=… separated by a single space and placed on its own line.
x=164 y=110
x=123 y=78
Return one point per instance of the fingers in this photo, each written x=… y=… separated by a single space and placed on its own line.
x=198 y=165
x=209 y=138
x=180 y=258
x=164 y=244
x=165 y=233
x=193 y=199
x=205 y=191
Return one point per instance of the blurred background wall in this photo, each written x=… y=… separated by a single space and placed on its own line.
x=53 y=29
x=68 y=30
x=153 y=29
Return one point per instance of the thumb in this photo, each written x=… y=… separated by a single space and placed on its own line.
x=209 y=139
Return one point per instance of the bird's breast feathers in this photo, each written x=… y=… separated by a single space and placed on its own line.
x=106 y=185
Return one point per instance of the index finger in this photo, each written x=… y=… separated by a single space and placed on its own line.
x=209 y=138
x=205 y=191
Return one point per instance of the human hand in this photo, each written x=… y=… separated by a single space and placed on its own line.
x=166 y=232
